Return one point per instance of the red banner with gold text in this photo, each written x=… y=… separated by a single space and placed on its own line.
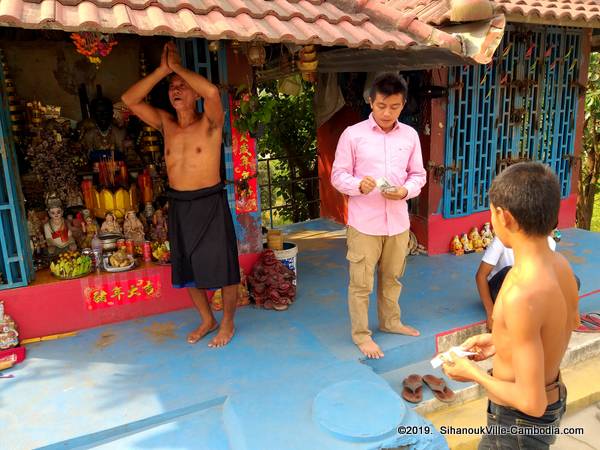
x=121 y=292
x=244 y=167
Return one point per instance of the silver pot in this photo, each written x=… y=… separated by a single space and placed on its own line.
x=109 y=240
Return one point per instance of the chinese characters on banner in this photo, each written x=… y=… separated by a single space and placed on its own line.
x=121 y=292
x=244 y=167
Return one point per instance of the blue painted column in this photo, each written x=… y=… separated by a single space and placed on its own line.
x=15 y=253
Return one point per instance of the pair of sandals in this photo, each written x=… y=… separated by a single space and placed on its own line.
x=590 y=323
x=412 y=390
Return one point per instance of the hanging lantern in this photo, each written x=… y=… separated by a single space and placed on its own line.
x=213 y=46
x=235 y=46
x=256 y=54
x=308 y=63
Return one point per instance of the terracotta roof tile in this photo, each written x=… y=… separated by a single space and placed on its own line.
x=301 y=21
x=437 y=12
x=572 y=10
x=376 y=24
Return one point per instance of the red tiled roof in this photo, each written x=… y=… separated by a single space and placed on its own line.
x=297 y=21
x=350 y=23
x=580 y=12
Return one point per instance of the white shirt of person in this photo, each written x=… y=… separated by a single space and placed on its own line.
x=499 y=256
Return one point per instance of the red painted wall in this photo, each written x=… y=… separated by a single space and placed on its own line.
x=333 y=204
x=441 y=230
x=60 y=307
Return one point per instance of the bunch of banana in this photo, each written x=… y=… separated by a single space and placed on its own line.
x=70 y=265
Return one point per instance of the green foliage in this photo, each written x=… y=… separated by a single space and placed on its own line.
x=285 y=128
x=589 y=182
x=253 y=111
x=595 y=224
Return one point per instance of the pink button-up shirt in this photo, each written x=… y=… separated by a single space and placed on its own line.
x=364 y=150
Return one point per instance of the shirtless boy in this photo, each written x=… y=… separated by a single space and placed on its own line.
x=534 y=314
x=201 y=233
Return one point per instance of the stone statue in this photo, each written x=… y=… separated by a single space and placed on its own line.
x=467 y=247
x=110 y=224
x=90 y=229
x=486 y=235
x=456 y=247
x=57 y=233
x=9 y=337
x=102 y=135
x=476 y=241
x=133 y=228
x=159 y=226
x=75 y=225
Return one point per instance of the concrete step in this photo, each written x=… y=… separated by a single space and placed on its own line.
x=582 y=347
x=583 y=387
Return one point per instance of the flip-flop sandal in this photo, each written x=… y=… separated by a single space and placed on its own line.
x=413 y=388
x=439 y=388
x=593 y=317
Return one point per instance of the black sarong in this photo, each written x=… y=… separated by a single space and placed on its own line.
x=202 y=239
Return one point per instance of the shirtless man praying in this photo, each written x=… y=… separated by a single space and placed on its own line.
x=534 y=314
x=201 y=233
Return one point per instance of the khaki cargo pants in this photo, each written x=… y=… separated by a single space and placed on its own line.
x=365 y=253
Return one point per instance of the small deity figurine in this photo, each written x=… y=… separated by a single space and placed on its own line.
x=456 y=247
x=75 y=225
x=133 y=228
x=476 y=241
x=36 y=235
x=159 y=226
x=486 y=235
x=9 y=337
x=110 y=224
x=148 y=211
x=90 y=229
x=57 y=233
x=467 y=247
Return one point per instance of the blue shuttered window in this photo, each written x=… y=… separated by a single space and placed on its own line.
x=522 y=106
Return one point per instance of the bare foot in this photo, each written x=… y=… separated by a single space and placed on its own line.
x=371 y=349
x=223 y=337
x=202 y=331
x=403 y=329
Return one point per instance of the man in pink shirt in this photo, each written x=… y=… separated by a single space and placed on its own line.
x=378 y=223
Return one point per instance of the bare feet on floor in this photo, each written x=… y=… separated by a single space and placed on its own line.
x=202 y=331
x=403 y=329
x=223 y=337
x=371 y=349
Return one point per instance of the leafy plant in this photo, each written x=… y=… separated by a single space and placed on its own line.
x=589 y=179
x=254 y=112
x=291 y=138
x=284 y=126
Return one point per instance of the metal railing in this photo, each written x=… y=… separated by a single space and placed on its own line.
x=273 y=183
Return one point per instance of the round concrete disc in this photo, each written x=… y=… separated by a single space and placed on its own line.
x=358 y=410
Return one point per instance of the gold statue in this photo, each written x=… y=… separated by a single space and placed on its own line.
x=456 y=247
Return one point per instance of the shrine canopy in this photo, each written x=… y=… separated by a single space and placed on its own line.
x=471 y=34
